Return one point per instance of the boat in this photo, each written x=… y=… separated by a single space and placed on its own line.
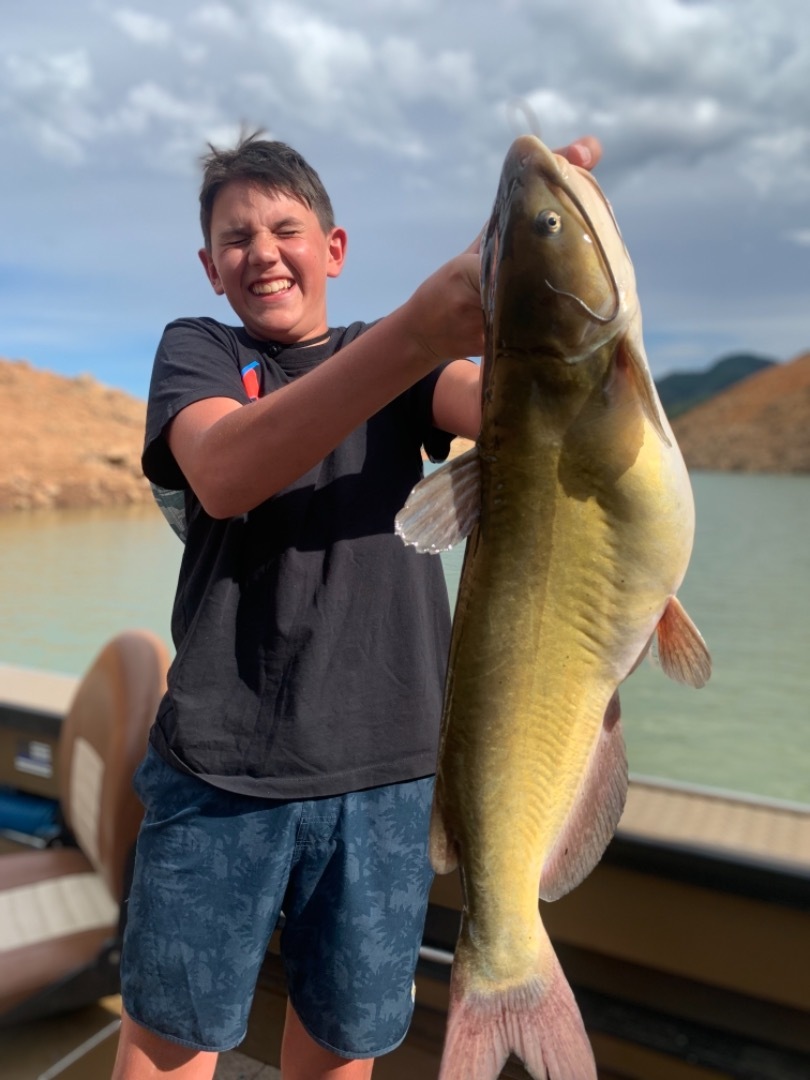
x=688 y=947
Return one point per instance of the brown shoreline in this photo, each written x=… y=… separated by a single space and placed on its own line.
x=75 y=443
x=68 y=443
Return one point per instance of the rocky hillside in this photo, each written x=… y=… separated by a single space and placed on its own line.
x=683 y=390
x=760 y=424
x=77 y=443
x=67 y=442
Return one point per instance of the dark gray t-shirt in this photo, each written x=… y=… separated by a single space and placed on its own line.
x=311 y=643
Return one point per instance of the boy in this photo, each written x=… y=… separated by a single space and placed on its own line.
x=291 y=761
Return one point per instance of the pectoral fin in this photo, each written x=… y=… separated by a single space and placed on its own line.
x=595 y=814
x=444 y=507
x=634 y=358
x=682 y=652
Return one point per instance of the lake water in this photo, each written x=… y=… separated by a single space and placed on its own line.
x=70 y=580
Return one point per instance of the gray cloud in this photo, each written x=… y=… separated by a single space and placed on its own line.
x=407 y=109
x=143 y=28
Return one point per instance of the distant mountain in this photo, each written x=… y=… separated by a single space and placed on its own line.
x=759 y=424
x=683 y=390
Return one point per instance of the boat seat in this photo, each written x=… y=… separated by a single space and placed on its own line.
x=61 y=908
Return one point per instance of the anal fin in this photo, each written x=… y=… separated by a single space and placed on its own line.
x=595 y=814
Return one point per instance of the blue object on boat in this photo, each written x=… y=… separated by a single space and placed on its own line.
x=33 y=815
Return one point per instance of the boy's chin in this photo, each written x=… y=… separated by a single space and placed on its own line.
x=275 y=327
x=272 y=330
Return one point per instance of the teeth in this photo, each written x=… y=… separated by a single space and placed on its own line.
x=266 y=288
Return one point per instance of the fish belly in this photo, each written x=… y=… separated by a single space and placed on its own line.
x=555 y=606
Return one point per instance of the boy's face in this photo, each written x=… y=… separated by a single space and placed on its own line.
x=270 y=257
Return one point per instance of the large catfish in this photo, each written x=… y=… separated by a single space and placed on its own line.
x=580 y=520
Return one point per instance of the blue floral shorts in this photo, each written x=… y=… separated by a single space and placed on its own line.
x=212 y=871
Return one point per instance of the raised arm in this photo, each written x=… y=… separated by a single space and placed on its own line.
x=217 y=442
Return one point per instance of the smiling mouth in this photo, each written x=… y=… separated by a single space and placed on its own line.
x=268 y=288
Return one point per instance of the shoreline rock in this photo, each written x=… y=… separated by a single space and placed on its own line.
x=761 y=424
x=68 y=443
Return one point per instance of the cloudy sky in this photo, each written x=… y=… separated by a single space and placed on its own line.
x=404 y=108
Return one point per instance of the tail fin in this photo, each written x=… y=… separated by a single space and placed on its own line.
x=538 y=1021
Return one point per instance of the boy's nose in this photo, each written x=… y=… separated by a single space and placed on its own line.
x=264 y=248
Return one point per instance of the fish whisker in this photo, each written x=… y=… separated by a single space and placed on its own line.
x=603 y=319
x=594 y=232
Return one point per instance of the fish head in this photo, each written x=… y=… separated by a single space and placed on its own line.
x=556 y=278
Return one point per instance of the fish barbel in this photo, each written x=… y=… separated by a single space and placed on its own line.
x=580 y=519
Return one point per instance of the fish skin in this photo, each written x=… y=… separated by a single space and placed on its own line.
x=583 y=537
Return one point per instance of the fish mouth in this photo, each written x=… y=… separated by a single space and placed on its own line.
x=271 y=288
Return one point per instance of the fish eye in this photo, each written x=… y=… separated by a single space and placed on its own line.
x=548 y=222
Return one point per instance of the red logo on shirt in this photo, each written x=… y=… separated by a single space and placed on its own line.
x=250 y=379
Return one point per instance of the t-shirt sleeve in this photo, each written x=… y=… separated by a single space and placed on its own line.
x=435 y=441
x=196 y=359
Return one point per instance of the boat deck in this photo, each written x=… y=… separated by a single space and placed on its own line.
x=721 y=821
x=688 y=947
x=36 y=691
x=81 y=1046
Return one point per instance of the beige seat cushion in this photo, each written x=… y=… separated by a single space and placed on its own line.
x=55 y=915
x=53 y=909
x=59 y=907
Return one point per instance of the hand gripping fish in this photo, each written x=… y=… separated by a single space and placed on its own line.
x=580 y=519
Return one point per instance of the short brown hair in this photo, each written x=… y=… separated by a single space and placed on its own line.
x=268 y=164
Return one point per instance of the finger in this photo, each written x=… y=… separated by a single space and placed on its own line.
x=585 y=152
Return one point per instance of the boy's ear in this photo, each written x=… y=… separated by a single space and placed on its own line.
x=211 y=271
x=337 y=241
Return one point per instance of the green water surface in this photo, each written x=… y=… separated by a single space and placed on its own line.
x=71 y=580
